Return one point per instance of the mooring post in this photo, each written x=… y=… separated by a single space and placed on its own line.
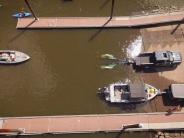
x=112 y=9
x=29 y=6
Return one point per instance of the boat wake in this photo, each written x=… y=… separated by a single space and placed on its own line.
x=135 y=47
x=133 y=50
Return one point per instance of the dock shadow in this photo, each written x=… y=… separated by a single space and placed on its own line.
x=64 y=1
x=130 y=107
x=104 y=4
x=17 y=36
x=100 y=30
x=23 y=30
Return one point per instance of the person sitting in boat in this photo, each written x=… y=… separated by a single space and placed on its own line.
x=5 y=57
x=21 y=14
x=12 y=56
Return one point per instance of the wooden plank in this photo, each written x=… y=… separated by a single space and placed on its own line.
x=95 y=22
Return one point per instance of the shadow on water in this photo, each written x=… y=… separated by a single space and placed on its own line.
x=130 y=107
x=124 y=107
x=17 y=36
x=119 y=134
x=21 y=33
x=104 y=4
x=17 y=136
x=99 y=31
x=64 y=1
x=98 y=134
x=168 y=101
x=103 y=26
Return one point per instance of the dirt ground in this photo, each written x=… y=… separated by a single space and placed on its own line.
x=158 y=39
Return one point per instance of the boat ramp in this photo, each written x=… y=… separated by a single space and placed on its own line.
x=68 y=124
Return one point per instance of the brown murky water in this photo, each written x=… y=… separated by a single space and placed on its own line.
x=64 y=72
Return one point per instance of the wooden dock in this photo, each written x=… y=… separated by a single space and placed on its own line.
x=90 y=123
x=99 y=22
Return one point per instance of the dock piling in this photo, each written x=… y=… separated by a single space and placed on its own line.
x=112 y=9
x=30 y=8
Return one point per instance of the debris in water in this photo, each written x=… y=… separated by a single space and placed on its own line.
x=135 y=47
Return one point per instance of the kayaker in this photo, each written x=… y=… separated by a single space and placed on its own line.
x=22 y=13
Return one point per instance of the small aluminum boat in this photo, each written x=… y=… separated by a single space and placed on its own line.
x=120 y=92
x=12 y=57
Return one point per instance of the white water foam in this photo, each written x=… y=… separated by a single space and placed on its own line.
x=135 y=47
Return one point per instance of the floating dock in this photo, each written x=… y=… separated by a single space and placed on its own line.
x=100 y=22
x=91 y=123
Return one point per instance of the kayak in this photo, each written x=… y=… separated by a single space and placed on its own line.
x=22 y=14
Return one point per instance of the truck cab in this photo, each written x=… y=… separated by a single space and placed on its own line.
x=167 y=58
x=158 y=58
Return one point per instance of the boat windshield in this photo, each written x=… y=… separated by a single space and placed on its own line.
x=121 y=88
x=121 y=92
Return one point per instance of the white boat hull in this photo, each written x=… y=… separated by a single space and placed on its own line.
x=112 y=96
x=18 y=57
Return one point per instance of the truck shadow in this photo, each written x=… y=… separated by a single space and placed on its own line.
x=167 y=101
x=153 y=69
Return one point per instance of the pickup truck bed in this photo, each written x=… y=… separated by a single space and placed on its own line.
x=143 y=61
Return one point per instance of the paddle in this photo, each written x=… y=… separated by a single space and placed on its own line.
x=114 y=61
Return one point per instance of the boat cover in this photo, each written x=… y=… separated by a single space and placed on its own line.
x=137 y=91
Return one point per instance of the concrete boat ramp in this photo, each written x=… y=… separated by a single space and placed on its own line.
x=68 y=124
x=100 y=22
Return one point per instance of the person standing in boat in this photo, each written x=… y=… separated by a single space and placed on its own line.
x=22 y=13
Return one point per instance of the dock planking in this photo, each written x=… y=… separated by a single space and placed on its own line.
x=67 y=124
x=99 y=22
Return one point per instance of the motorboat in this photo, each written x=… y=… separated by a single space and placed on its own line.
x=12 y=57
x=120 y=92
